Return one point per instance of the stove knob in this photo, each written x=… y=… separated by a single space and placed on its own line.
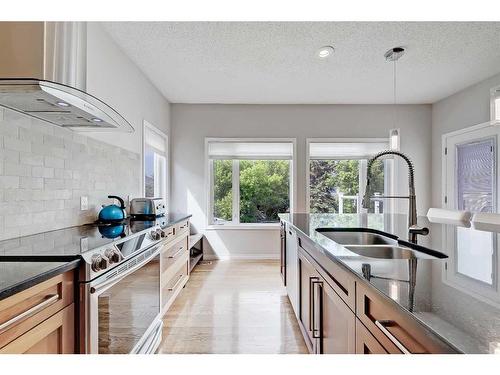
x=98 y=262
x=162 y=233
x=155 y=235
x=113 y=255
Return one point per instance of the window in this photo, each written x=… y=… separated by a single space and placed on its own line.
x=250 y=181
x=337 y=175
x=155 y=162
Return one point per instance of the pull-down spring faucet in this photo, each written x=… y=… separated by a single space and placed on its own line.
x=413 y=229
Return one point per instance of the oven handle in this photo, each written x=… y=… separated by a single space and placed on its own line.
x=113 y=280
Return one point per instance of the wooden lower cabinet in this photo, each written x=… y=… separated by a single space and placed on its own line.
x=328 y=322
x=40 y=319
x=336 y=322
x=56 y=335
x=365 y=342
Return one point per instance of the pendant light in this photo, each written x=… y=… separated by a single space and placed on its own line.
x=393 y=55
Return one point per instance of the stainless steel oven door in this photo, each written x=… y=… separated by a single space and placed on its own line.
x=124 y=307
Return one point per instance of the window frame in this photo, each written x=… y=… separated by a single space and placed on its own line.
x=389 y=177
x=209 y=185
x=151 y=127
x=494 y=97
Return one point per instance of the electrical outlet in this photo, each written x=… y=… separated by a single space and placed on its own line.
x=84 y=203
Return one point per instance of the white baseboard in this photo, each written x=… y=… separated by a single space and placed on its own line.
x=242 y=257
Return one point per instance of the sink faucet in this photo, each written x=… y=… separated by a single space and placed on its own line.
x=413 y=229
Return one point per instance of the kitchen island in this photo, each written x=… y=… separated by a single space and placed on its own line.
x=439 y=306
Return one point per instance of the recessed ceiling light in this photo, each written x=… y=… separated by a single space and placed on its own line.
x=62 y=104
x=325 y=52
x=95 y=119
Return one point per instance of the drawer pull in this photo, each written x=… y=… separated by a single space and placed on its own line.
x=32 y=311
x=176 y=253
x=176 y=283
x=381 y=324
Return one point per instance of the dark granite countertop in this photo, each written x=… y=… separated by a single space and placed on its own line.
x=457 y=298
x=18 y=276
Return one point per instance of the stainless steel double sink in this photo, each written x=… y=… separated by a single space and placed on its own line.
x=375 y=245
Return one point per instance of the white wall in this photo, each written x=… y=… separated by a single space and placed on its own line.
x=468 y=107
x=191 y=123
x=115 y=79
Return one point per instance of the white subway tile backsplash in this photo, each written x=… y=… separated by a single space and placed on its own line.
x=44 y=170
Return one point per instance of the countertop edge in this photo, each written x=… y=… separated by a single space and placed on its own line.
x=32 y=281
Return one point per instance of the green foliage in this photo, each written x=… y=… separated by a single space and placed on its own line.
x=264 y=190
x=223 y=198
x=329 y=177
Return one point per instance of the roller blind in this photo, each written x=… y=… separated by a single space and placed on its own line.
x=250 y=150
x=345 y=150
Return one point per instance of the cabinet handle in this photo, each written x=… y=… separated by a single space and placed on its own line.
x=320 y=308
x=311 y=301
x=176 y=283
x=32 y=311
x=381 y=324
x=176 y=253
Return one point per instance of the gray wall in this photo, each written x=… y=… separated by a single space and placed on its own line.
x=468 y=107
x=46 y=169
x=191 y=123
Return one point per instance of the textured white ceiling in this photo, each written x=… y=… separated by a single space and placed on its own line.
x=275 y=62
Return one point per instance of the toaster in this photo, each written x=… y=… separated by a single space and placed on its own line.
x=147 y=207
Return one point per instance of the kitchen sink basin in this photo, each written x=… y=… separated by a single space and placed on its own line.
x=388 y=252
x=357 y=238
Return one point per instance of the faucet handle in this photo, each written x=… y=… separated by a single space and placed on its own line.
x=415 y=229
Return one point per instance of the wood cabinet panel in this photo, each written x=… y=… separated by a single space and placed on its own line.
x=56 y=335
x=337 y=322
x=307 y=274
x=365 y=342
x=30 y=307
x=396 y=331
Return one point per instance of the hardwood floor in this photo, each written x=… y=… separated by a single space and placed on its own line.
x=237 y=306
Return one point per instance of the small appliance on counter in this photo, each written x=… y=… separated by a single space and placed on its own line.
x=147 y=207
x=113 y=213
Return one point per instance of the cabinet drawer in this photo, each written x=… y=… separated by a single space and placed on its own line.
x=169 y=233
x=394 y=329
x=170 y=287
x=24 y=310
x=56 y=335
x=173 y=252
x=365 y=342
x=341 y=281
x=182 y=227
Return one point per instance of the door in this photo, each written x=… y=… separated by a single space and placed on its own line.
x=308 y=275
x=333 y=322
x=471 y=184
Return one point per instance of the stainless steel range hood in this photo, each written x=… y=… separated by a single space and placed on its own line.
x=43 y=75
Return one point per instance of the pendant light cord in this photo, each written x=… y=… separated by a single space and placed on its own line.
x=394 y=93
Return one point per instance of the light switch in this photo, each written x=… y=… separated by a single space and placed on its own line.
x=84 y=203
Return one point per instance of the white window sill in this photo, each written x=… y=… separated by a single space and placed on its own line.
x=270 y=226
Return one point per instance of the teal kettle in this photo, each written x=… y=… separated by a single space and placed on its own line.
x=113 y=213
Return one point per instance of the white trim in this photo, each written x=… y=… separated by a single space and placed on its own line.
x=331 y=140
x=147 y=124
x=493 y=97
x=209 y=184
x=244 y=226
